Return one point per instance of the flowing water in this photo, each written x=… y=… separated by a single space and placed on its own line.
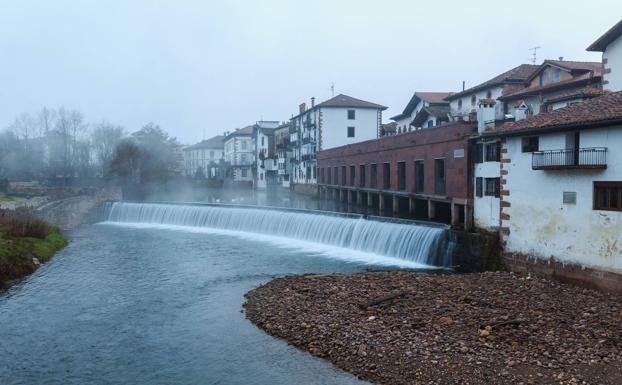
x=154 y=295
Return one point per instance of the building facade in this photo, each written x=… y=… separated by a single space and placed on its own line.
x=423 y=173
x=336 y=122
x=240 y=155
x=283 y=153
x=424 y=110
x=610 y=44
x=205 y=159
x=265 y=158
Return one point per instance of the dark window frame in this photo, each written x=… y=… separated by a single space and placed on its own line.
x=440 y=176
x=352 y=175
x=530 y=144
x=401 y=176
x=492 y=152
x=351 y=131
x=343 y=176
x=493 y=184
x=419 y=177
x=351 y=114
x=386 y=175
x=373 y=175
x=362 y=170
x=604 y=189
x=479 y=187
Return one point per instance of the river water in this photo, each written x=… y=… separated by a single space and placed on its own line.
x=155 y=304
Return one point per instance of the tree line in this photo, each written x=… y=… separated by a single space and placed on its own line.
x=59 y=146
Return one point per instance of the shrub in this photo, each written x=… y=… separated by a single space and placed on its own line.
x=22 y=223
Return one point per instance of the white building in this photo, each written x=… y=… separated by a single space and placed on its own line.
x=424 y=110
x=283 y=153
x=610 y=44
x=561 y=185
x=205 y=157
x=336 y=122
x=240 y=154
x=266 y=162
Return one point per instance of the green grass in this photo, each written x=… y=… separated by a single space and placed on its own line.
x=16 y=253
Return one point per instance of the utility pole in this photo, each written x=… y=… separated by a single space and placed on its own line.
x=534 y=58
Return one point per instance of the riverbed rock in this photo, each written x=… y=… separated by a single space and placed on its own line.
x=486 y=328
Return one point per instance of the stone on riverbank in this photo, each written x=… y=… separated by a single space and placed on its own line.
x=487 y=328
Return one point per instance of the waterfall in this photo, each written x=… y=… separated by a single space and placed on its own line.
x=405 y=240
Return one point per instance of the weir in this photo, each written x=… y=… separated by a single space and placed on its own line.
x=410 y=241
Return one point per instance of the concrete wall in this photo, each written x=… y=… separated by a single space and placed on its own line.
x=535 y=221
x=612 y=60
x=335 y=123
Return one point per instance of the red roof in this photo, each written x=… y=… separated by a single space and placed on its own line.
x=515 y=75
x=603 y=110
x=551 y=87
x=574 y=67
x=434 y=97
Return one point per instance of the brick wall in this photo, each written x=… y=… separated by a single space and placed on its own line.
x=427 y=145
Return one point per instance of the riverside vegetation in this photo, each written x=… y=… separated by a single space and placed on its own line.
x=25 y=243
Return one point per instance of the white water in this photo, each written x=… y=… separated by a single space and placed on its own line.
x=402 y=244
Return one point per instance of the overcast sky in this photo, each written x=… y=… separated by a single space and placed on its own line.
x=202 y=67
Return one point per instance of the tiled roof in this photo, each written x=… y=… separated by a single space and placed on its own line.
x=217 y=141
x=515 y=75
x=440 y=112
x=574 y=67
x=248 y=130
x=584 y=92
x=429 y=97
x=606 y=109
x=345 y=101
x=602 y=42
x=550 y=87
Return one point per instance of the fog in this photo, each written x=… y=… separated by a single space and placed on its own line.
x=198 y=68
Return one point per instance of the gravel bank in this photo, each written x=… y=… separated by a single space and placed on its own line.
x=487 y=328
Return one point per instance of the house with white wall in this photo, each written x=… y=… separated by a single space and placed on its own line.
x=561 y=190
x=555 y=84
x=335 y=122
x=424 y=110
x=610 y=44
x=266 y=165
x=206 y=157
x=240 y=155
x=283 y=153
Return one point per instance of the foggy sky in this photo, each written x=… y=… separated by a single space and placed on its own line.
x=202 y=67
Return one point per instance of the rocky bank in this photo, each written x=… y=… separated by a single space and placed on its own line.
x=484 y=328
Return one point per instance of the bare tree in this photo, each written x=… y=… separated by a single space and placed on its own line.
x=105 y=139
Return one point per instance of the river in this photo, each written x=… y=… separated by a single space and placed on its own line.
x=151 y=303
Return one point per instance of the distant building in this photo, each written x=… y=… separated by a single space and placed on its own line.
x=424 y=110
x=555 y=84
x=610 y=44
x=283 y=153
x=265 y=158
x=336 y=122
x=240 y=155
x=206 y=157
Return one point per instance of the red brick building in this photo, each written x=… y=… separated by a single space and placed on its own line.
x=423 y=173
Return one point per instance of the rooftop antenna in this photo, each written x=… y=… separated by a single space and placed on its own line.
x=534 y=58
x=332 y=88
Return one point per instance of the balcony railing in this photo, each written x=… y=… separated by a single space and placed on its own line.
x=571 y=158
x=308 y=140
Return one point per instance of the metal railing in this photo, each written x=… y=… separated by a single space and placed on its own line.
x=593 y=157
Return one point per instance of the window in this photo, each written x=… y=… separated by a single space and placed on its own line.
x=401 y=175
x=313 y=173
x=386 y=175
x=350 y=132
x=430 y=123
x=489 y=94
x=362 y=175
x=479 y=187
x=419 y=176
x=351 y=114
x=373 y=171
x=459 y=103
x=336 y=173
x=262 y=140
x=343 y=175
x=329 y=176
x=478 y=152
x=243 y=145
x=557 y=74
x=473 y=100
x=492 y=152
x=211 y=154
x=608 y=196
x=244 y=173
x=530 y=144
x=243 y=158
x=322 y=175
x=352 y=175
x=439 y=176
x=493 y=187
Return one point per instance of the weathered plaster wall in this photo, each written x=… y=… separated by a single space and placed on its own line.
x=486 y=208
x=536 y=222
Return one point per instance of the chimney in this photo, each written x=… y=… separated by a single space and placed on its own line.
x=485 y=115
x=302 y=107
x=561 y=58
x=313 y=102
x=463 y=84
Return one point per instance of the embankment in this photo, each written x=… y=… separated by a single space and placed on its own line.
x=25 y=243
